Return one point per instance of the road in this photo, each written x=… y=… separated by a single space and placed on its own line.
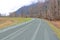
x=37 y=29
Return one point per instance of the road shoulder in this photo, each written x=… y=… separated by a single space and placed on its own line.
x=56 y=30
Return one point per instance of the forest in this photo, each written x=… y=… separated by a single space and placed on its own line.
x=50 y=9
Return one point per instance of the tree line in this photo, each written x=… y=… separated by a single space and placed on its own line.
x=49 y=9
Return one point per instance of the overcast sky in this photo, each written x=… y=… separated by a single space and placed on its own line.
x=7 y=6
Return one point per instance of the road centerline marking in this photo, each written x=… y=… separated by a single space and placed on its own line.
x=15 y=32
x=34 y=36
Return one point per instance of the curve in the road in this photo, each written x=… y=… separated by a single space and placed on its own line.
x=36 y=30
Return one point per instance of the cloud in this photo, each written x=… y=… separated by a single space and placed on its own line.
x=7 y=6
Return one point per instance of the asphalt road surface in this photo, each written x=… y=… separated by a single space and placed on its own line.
x=37 y=29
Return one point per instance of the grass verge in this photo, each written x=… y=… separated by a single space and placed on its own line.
x=56 y=30
x=8 y=21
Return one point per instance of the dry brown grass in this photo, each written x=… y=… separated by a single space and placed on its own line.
x=56 y=23
x=55 y=26
x=8 y=21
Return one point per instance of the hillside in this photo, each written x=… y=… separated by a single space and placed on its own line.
x=48 y=10
x=32 y=10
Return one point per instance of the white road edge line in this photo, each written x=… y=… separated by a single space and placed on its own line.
x=17 y=34
x=34 y=36
x=14 y=32
x=14 y=26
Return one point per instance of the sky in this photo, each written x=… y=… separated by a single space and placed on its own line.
x=7 y=6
